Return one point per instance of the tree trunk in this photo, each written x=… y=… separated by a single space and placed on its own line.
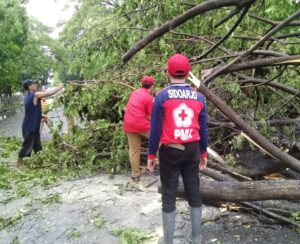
x=284 y=158
x=246 y=191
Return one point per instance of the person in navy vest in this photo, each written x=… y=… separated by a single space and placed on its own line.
x=179 y=124
x=32 y=119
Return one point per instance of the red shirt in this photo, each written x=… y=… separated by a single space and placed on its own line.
x=138 y=111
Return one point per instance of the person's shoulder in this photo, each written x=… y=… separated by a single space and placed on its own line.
x=162 y=91
x=30 y=95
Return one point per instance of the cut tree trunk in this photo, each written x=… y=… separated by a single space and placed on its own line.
x=246 y=191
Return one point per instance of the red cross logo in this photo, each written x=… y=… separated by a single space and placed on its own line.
x=182 y=115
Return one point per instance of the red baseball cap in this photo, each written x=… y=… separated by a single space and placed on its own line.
x=147 y=80
x=178 y=65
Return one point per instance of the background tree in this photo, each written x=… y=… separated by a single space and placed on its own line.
x=14 y=31
x=27 y=51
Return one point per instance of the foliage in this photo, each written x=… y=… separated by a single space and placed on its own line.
x=237 y=142
x=98 y=222
x=131 y=236
x=13 y=37
x=52 y=198
x=26 y=50
x=8 y=145
x=84 y=150
x=16 y=184
x=37 y=56
x=99 y=33
x=296 y=216
x=11 y=220
x=90 y=49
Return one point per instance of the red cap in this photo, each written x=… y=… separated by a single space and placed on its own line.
x=178 y=65
x=147 y=80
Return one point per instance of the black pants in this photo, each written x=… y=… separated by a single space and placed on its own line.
x=174 y=162
x=32 y=141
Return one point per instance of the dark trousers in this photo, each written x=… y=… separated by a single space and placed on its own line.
x=32 y=141
x=173 y=163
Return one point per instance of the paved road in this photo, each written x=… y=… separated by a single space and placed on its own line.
x=13 y=126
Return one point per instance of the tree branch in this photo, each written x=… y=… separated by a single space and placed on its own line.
x=224 y=38
x=282 y=156
x=296 y=34
x=272 y=22
x=199 y=9
x=288 y=60
x=283 y=104
x=232 y=13
x=254 y=47
x=277 y=85
x=268 y=81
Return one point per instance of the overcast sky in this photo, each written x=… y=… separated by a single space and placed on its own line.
x=50 y=12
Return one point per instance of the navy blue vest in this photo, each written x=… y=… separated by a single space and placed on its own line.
x=33 y=114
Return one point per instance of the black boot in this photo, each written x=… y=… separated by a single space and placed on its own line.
x=195 y=215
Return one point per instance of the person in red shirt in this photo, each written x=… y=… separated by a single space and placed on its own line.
x=137 y=122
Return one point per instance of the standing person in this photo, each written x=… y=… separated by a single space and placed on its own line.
x=33 y=119
x=179 y=123
x=137 y=122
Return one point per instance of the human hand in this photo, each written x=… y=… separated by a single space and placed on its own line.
x=202 y=164
x=151 y=163
x=44 y=119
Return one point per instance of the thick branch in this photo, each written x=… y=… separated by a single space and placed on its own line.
x=256 y=52
x=295 y=59
x=199 y=9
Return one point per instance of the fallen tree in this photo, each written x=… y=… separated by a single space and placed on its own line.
x=282 y=156
x=246 y=191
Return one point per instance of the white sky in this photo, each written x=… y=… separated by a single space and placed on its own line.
x=50 y=12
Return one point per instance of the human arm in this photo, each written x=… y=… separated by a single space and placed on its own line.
x=203 y=132
x=49 y=92
x=149 y=106
x=155 y=132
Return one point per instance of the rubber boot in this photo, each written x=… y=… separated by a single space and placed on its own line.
x=195 y=215
x=168 y=227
